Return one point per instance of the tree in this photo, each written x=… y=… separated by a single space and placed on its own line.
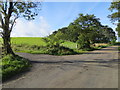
x=61 y=34
x=9 y=12
x=87 y=28
x=109 y=34
x=115 y=16
x=83 y=41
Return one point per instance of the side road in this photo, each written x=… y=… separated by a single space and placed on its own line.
x=96 y=69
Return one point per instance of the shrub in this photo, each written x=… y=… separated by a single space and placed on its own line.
x=83 y=42
x=54 y=50
x=12 y=65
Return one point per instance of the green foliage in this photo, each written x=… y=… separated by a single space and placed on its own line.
x=54 y=41
x=87 y=27
x=12 y=65
x=113 y=42
x=107 y=34
x=10 y=11
x=84 y=31
x=115 y=8
x=69 y=44
x=60 y=51
x=115 y=16
x=118 y=29
x=61 y=34
x=83 y=41
x=27 y=46
x=54 y=48
x=37 y=45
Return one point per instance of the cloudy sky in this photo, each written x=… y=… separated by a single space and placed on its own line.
x=55 y=15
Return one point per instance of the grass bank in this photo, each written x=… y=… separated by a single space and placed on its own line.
x=12 y=66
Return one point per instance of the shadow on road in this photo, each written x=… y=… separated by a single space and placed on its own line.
x=79 y=61
x=95 y=53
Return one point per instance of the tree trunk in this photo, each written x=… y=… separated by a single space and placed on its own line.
x=87 y=44
x=6 y=43
x=6 y=29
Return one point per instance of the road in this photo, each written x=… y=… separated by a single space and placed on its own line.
x=96 y=69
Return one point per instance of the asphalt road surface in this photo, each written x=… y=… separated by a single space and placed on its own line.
x=96 y=69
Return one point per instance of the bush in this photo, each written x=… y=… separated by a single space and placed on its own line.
x=60 y=51
x=12 y=65
x=119 y=48
x=113 y=41
x=83 y=42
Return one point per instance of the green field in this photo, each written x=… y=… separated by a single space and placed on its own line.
x=34 y=44
x=38 y=45
x=36 y=41
x=28 y=41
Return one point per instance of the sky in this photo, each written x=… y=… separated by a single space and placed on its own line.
x=56 y=15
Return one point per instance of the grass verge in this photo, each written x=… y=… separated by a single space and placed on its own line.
x=12 y=65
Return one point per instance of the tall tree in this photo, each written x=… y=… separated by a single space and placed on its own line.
x=87 y=27
x=10 y=11
x=115 y=16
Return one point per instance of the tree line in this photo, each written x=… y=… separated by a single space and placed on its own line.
x=86 y=30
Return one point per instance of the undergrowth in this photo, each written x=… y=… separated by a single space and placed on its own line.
x=12 y=65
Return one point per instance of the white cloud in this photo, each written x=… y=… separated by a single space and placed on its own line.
x=37 y=28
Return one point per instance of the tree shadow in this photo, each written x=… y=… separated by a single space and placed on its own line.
x=51 y=62
x=79 y=61
x=108 y=49
x=95 y=53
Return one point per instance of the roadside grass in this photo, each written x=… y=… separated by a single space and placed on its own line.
x=13 y=65
x=29 y=48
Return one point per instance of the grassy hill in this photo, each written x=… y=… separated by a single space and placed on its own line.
x=28 y=41
x=37 y=45
x=38 y=41
x=34 y=44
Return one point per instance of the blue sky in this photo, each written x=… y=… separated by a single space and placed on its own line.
x=55 y=15
x=60 y=14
